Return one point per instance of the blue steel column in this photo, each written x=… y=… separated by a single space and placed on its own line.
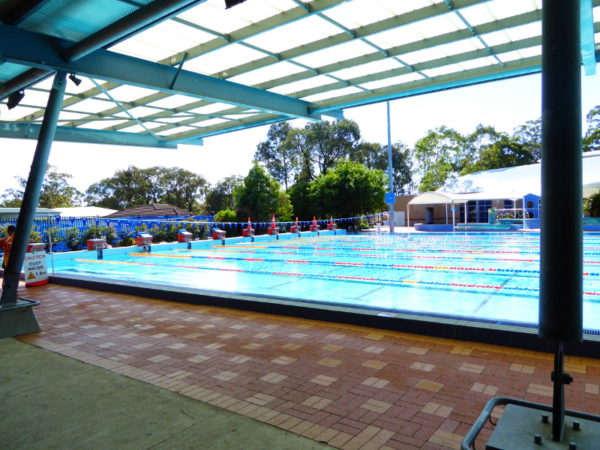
x=33 y=188
x=561 y=266
x=390 y=167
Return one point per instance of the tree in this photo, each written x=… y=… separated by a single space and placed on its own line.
x=221 y=195
x=56 y=192
x=529 y=135
x=259 y=197
x=591 y=140
x=135 y=187
x=503 y=153
x=278 y=155
x=439 y=155
x=348 y=190
x=375 y=156
x=183 y=188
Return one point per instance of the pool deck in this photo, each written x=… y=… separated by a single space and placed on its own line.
x=186 y=368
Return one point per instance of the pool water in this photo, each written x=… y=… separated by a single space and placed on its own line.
x=481 y=276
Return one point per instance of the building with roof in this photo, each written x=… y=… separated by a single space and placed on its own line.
x=153 y=210
x=471 y=196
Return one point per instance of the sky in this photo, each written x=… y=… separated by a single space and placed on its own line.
x=504 y=104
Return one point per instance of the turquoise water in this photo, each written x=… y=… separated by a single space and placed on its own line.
x=486 y=276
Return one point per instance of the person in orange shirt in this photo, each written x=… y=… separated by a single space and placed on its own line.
x=6 y=243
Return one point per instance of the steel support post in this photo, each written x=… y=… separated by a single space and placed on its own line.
x=390 y=167
x=561 y=267
x=32 y=191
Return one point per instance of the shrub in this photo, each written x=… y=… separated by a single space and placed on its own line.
x=225 y=215
x=73 y=238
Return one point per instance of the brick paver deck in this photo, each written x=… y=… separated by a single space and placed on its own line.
x=349 y=386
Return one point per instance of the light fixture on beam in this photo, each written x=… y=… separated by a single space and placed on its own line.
x=230 y=3
x=75 y=79
x=15 y=98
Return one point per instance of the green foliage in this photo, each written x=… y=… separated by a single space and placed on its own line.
x=591 y=140
x=277 y=154
x=500 y=154
x=592 y=205
x=290 y=153
x=225 y=215
x=135 y=187
x=53 y=235
x=529 y=135
x=56 y=192
x=221 y=195
x=73 y=238
x=375 y=156
x=440 y=154
x=96 y=232
x=259 y=197
x=166 y=232
x=301 y=201
x=35 y=237
x=349 y=189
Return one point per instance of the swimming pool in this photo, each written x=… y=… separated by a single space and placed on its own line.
x=480 y=276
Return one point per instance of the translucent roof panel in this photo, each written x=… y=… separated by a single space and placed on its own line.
x=218 y=62
x=163 y=40
x=213 y=13
x=301 y=32
x=497 y=9
x=267 y=73
x=336 y=53
x=369 y=68
x=320 y=55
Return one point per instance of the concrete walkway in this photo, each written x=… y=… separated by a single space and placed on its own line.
x=50 y=401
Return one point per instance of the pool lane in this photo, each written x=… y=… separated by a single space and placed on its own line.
x=481 y=277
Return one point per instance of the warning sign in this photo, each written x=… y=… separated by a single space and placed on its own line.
x=36 y=269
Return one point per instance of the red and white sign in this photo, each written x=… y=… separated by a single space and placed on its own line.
x=36 y=268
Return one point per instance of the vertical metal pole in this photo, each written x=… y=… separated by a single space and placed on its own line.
x=561 y=286
x=33 y=189
x=390 y=167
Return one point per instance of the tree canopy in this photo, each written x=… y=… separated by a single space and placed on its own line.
x=56 y=192
x=259 y=197
x=349 y=189
x=135 y=187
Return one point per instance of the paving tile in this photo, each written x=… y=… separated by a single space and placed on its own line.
x=446 y=439
x=317 y=402
x=429 y=385
x=274 y=377
x=324 y=380
x=260 y=399
x=422 y=366
x=376 y=406
x=292 y=346
x=417 y=350
x=329 y=362
x=349 y=386
x=374 y=349
x=374 y=364
x=375 y=382
x=332 y=348
x=226 y=375
x=474 y=368
x=198 y=358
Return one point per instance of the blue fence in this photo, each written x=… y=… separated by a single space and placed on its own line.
x=71 y=233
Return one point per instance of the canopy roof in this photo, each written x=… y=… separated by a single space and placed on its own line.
x=163 y=72
x=508 y=183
